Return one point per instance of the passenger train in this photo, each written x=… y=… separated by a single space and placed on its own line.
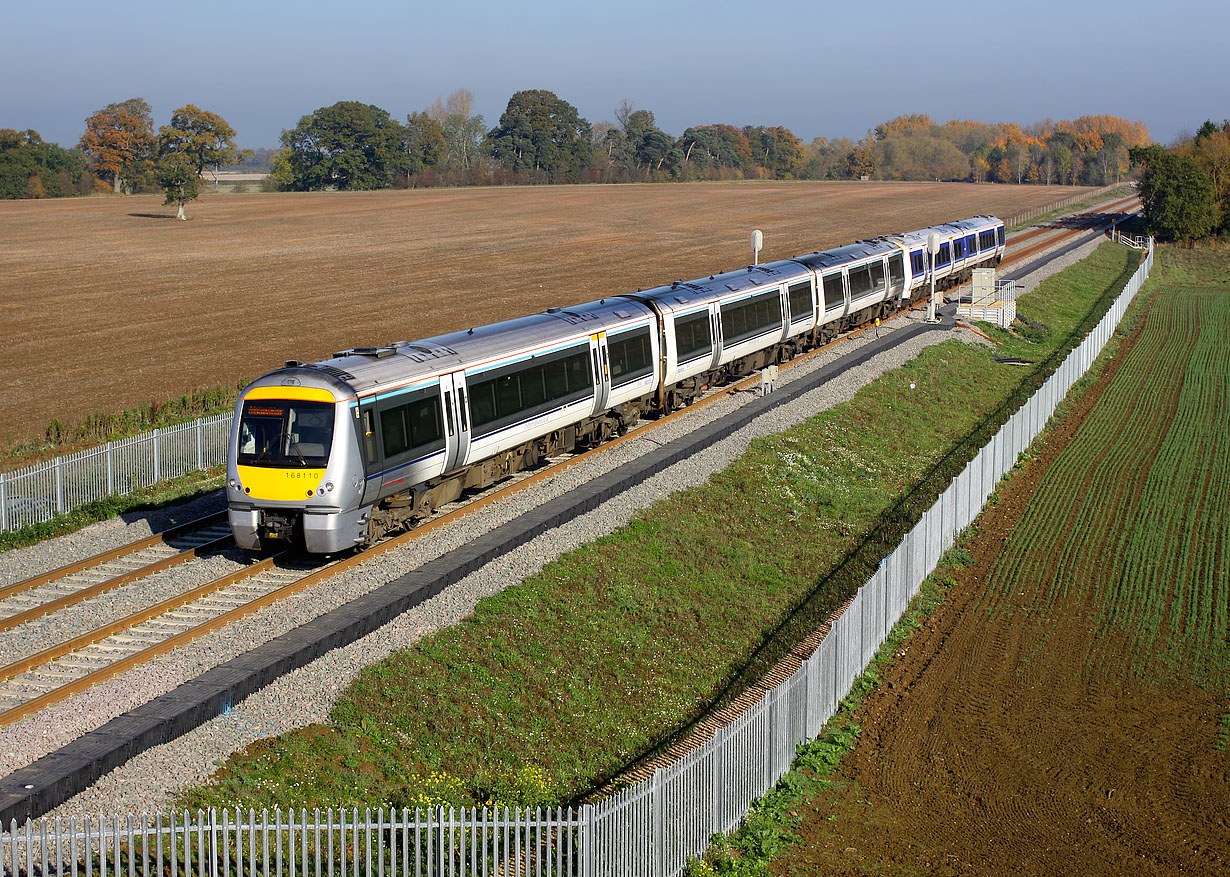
x=334 y=454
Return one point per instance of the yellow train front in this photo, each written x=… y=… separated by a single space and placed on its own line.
x=293 y=473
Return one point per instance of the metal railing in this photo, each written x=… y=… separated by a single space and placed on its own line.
x=37 y=493
x=648 y=830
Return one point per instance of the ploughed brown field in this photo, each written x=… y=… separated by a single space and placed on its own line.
x=109 y=303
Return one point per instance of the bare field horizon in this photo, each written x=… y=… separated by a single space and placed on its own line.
x=113 y=304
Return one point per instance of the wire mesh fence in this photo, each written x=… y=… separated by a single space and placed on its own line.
x=648 y=830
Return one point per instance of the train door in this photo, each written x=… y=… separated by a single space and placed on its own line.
x=456 y=419
x=601 y=360
x=369 y=445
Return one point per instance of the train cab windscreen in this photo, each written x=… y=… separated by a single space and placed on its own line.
x=285 y=433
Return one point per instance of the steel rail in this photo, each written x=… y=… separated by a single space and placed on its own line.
x=131 y=548
x=102 y=587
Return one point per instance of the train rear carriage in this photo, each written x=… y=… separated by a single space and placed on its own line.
x=964 y=245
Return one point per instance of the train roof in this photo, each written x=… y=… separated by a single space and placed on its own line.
x=826 y=259
x=952 y=229
x=682 y=294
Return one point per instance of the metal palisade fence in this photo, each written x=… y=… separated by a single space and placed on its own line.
x=648 y=830
x=37 y=493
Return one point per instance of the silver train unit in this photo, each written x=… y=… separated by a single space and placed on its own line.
x=335 y=454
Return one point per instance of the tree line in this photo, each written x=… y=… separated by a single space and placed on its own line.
x=1185 y=190
x=541 y=138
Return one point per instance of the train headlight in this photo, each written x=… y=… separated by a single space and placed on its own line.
x=328 y=486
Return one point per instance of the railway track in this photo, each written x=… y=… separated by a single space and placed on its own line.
x=62 y=670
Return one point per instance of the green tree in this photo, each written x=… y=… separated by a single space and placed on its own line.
x=179 y=178
x=348 y=145
x=540 y=132
x=1177 y=195
x=424 y=142
x=32 y=168
x=202 y=138
x=119 y=138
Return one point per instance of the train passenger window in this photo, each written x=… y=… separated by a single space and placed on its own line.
x=917 y=265
x=411 y=426
x=751 y=317
x=1001 y=235
x=860 y=281
x=692 y=336
x=896 y=272
x=516 y=392
x=958 y=248
x=834 y=298
x=942 y=258
x=800 y=301
x=877 y=276
x=631 y=355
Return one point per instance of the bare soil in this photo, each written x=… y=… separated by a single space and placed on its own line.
x=1013 y=737
x=109 y=303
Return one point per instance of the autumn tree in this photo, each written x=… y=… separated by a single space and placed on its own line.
x=202 y=138
x=119 y=137
x=463 y=130
x=1211 y=150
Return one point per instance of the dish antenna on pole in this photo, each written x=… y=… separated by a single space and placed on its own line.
x=757 y=243
x=933 y=247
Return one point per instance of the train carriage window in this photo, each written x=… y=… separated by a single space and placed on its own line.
x=692 y=336
x=896 y=272
x=285 y=433
x=942 y=258
x=631 y=355
x=986 y=239
x=877 y=276
x=751 y=317
x=411 y=426
x=800 y=301
x=860 y=281
x=834 y=298
x=958 y=248
x=917 y=264
x=525 y=389
x=1001 y=235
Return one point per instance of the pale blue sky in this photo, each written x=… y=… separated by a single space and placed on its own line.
x=819 y=71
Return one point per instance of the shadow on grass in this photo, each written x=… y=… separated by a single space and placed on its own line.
x=153 y=215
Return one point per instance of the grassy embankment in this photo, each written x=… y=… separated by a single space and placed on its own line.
x=553 y=685
x=1171 y=604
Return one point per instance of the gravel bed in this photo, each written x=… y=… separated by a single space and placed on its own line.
x=147 y=782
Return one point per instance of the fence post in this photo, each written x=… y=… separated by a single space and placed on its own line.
x=4 y=501
x=715 y=781
x=110 y=469
x=588 y=852
x=59 y=484
x=157 y=458
x=659 y=826
x=200 y=444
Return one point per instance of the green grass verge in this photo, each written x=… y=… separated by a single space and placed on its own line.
x=551 y=687
x=172 y=491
